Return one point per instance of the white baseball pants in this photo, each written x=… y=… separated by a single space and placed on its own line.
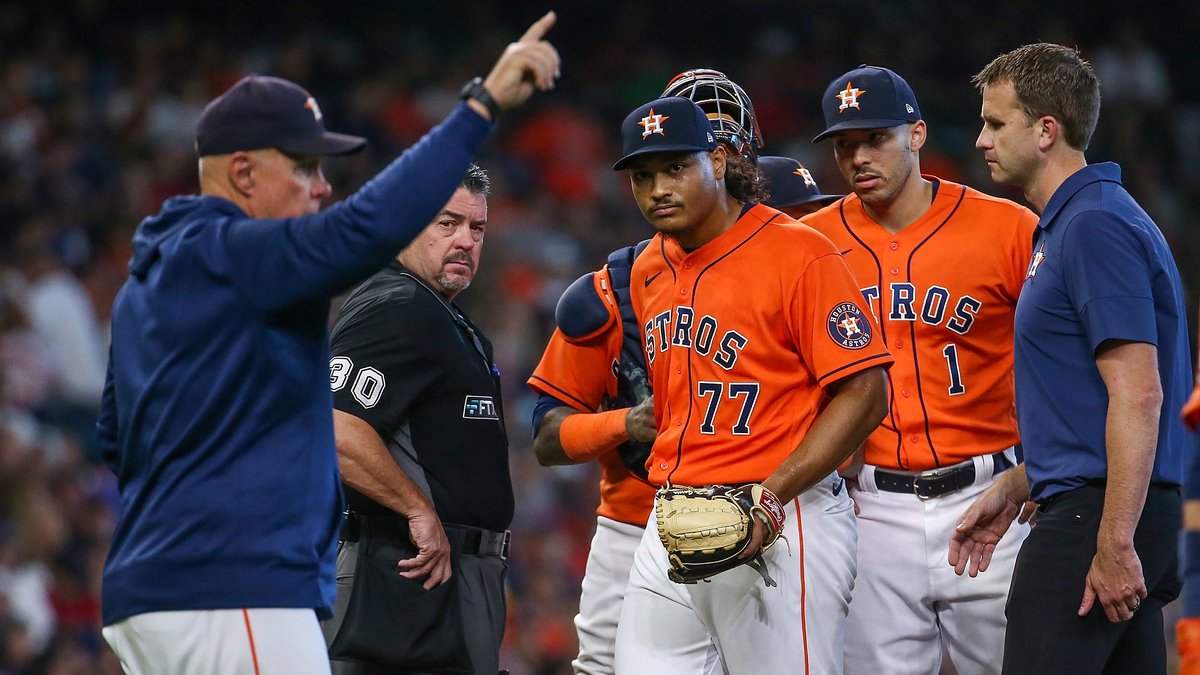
x=908 y=601
x=221 y=642
x=734 y=620
x=603 y=591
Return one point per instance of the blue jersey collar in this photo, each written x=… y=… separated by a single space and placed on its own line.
x=1092 y=173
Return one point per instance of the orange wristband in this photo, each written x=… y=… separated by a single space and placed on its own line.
x=585 y=437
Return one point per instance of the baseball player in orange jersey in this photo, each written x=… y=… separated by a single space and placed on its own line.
x=594 y=372
x=940 y=266
x=766 y=370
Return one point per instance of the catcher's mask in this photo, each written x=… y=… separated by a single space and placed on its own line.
x=729 y=109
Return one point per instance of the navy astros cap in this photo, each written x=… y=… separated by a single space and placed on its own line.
x=672 y=124
x=868 y=97
x=790 y=184
x=268 y=112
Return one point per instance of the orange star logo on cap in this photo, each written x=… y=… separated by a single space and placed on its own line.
x=653 y=124
x=849 y=97
x=809 y=181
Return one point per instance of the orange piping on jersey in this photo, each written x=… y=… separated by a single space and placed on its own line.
x=250 y=633
x=803 y=610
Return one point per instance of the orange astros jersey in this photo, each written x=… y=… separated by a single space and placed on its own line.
x=583 y=374
x=742 y=335
x=944 y=290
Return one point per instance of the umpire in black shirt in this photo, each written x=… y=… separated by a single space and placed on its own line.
x=424 y=457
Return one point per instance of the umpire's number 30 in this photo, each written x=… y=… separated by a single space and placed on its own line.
x=714 y=391
x=368 y=384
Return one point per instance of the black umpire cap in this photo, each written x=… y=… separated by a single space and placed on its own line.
x=868 y=97
x=269 y=112
x=672 y=124
x=790 y=184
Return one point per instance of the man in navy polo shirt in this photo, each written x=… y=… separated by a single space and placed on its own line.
x=1102 y=367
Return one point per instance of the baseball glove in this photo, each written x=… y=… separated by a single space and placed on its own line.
x=705 y=529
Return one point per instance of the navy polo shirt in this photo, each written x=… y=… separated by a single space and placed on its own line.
x=1101 y=270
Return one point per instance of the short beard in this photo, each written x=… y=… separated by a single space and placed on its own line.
x=892 y=184
x=452 y=284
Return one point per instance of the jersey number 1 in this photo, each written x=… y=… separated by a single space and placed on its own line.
x=956 y=384
x=736 y=389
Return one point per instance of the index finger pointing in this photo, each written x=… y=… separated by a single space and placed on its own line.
x=540 y=27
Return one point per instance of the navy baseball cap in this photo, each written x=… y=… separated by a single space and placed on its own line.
x=268 y=112
x=868 y=97
x=790 y=184
x=672 y=124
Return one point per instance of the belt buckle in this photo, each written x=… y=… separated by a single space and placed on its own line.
x=932 y=474
x=505 y=544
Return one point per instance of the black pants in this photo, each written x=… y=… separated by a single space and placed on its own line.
x=1046 y=636
x=481 y=593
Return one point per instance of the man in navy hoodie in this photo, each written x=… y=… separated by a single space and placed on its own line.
x=217 y=412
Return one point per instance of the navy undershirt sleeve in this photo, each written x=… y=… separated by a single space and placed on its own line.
x=545 y=404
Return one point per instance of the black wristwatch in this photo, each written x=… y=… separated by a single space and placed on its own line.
x=475 y=89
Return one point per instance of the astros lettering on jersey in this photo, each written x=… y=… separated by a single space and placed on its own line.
x=943 y=290
x=583 y=374
x=742 y=335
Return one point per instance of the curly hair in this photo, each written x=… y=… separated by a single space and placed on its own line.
x=744 y=181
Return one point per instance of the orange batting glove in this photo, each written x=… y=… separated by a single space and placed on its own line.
x=1191 y=410
x=1187 y=639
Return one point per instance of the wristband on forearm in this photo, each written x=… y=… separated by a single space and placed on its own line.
x=586 y=436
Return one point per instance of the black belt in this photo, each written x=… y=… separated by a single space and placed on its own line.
x=463 y=538
x=936 y=482
x=478 y=541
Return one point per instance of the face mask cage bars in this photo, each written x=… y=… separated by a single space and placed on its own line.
x=725 y=103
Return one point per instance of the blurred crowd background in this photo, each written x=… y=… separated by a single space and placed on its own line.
x=98 y=105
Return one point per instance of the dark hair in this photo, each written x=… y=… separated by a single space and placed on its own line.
x=744 y=181
x=1050 y=81
x=476 y=181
